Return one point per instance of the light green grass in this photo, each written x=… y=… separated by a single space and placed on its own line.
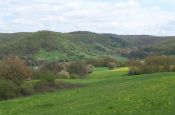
x=50 y=56
x=108 y=92
x=105 y=73
x=120 y=58
x=57 y=55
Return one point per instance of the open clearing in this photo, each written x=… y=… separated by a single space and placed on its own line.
x=107 y=92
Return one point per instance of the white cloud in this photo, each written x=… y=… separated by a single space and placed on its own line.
x=120 y=17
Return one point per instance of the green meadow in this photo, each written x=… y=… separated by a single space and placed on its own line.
x=105 y=92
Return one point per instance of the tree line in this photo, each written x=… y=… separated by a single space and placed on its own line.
x=152 y=64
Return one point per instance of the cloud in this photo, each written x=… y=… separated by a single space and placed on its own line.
x=114 y=16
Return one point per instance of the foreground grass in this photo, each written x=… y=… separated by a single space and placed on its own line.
x=108 y=92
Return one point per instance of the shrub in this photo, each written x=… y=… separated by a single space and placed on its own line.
x=44 y=83
x=12 y=68
x=100 y=62
x=27 y=89
x=46 y=80
x=74 y=76
x=37 y=74
x=79 y=68
x=54 y=67
x=8 y=89
x=89 y=68
x=48 y=77
x=111 y=65
x=63 y=75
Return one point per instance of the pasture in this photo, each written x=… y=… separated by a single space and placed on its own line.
x=106 y=92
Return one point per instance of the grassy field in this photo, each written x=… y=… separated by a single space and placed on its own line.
x=56 y=55
x=107 y=92
x=50 y=56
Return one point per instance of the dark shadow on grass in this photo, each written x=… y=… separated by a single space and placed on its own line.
x=57 y=86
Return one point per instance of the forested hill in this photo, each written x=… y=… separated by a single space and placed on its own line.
x=59 y=45
x=50 y=45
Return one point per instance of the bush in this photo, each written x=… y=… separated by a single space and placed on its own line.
x=13 y=72
x=89 y=68
x=37 y=74
x=54 y=67
x=63 y=75
x=44 y=76
x=74 y=76
x=100 y=62
x=79 y=68
x=47 y=80
x=48 y=77
x=14 y=69
x=8 y=89
x=27 y=89
x=44 y=85
x=111 y=65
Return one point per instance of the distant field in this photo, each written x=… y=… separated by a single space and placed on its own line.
x=107 y=92
x=56 y=55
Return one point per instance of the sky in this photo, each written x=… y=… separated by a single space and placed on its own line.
x=153 y=17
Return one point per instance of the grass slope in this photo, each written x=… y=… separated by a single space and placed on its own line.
x=107 y=93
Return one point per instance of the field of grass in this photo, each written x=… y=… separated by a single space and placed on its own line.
x=107 y=92
x=54 y=55
x=57 y=55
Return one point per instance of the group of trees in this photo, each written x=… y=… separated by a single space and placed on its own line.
x=152 y=64
x=135 y=53
x=109 y=62
x=13 y=73
x=77 y=69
